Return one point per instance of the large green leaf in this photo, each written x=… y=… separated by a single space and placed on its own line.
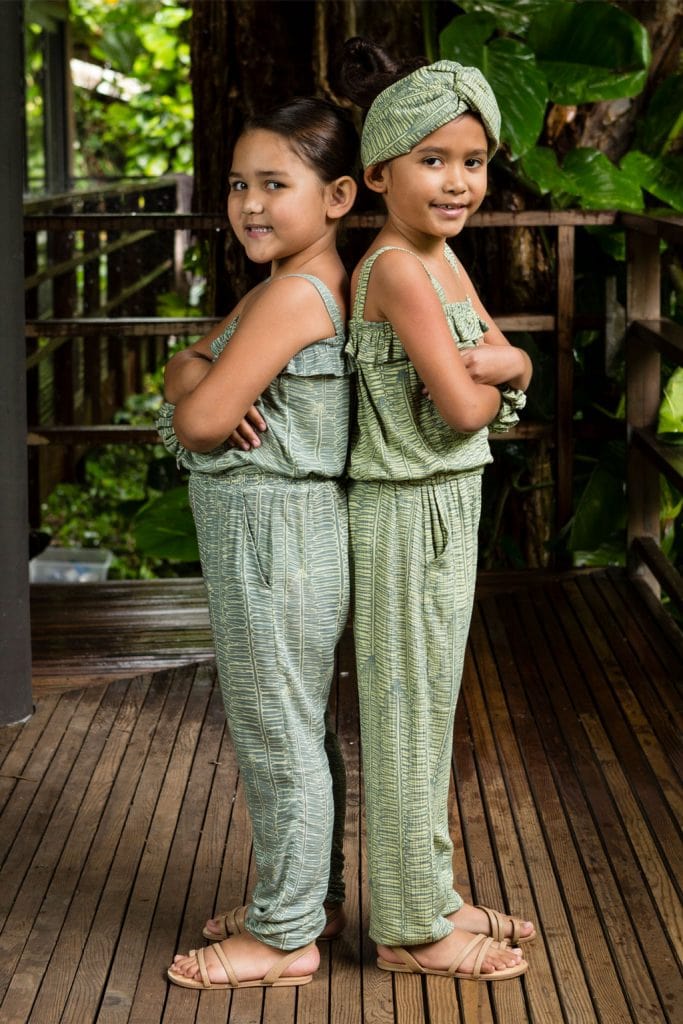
x=587 y=175
x=164 y=528
x=601 y=509
x=602 y=185
x=590 y=51
x=662 y=177
x=511 y=70
x=510 y=15
x=670 y=423
x=663 y=122
x=540 y=167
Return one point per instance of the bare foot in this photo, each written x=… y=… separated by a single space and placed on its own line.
x=438 y=956
x=215 y=927
x=474 y=919
x=250 y=959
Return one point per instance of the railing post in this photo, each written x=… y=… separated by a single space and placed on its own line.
x=643 y=395
x=15 y=623
x=564 y=442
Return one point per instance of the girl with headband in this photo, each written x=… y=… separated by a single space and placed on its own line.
x=418 y=328
x=272 y=527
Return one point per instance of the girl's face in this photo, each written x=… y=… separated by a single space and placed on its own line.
x=277 y=202
x=435 y=189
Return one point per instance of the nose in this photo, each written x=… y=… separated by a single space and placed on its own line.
x=252 y=203
x=454 y=180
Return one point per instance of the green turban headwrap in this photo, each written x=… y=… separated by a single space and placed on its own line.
x=408 y=110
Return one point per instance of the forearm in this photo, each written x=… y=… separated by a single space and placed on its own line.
x=469 y=412
x=183 y=373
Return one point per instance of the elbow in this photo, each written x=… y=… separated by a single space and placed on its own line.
x=196 y=437
x=465 y=421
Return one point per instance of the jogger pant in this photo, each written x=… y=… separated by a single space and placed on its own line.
x=413 y=556
x=274 y=555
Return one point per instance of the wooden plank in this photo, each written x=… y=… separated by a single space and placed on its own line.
x=539 y=648
x=668 y=228
x=148 y=732
x=154 y=806
x=665 y=458
x=120 y=327
x=662 y=334
x=17 y=743
x=78 y=815
x=653 y=730
x=574 y=705
x=190 y=771
x=564 y=374
x=518 y=849
x=659 y=642
x=613 y=699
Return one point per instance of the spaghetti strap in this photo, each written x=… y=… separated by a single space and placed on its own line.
x=363 y=280
x=329 y=301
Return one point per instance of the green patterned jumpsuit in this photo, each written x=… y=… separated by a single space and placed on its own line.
x=414 y=504
x=273 y=538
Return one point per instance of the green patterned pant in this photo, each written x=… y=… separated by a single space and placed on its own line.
x=274 y=557
x=413 y=555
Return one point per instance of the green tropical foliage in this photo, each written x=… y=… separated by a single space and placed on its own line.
x=552 y=52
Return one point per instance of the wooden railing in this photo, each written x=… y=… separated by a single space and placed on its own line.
x=649 y=337
x=112 y=234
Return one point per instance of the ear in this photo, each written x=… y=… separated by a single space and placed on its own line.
x=341 y=195
x=375 y=177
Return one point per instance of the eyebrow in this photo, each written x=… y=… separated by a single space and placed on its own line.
x=261 y=174
x=441 y=151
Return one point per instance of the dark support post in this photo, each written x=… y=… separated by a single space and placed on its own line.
x=564 y=374
x=643 y=395
x=15 y=623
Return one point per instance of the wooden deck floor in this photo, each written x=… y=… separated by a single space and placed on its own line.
x=123 y=823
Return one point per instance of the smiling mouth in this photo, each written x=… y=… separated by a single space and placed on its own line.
x=450 y=207
x=257 y=229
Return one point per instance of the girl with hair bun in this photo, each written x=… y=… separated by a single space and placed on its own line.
x=418 y=327
x=272 y=527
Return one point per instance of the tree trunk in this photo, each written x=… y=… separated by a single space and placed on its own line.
x=235 y=75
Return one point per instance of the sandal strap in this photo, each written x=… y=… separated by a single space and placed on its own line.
x=498 y=923
x=275 y=972
x=408 y=959
x=225 y=964
x=482 y=943
x=233 y=920
x=201 y=963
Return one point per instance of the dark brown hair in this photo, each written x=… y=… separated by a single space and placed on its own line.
x=365 y=70
x=322 y=134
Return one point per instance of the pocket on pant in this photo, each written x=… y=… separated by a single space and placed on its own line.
x=252 y=557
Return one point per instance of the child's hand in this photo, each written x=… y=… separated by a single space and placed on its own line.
x=244 y=435
x=491 y=364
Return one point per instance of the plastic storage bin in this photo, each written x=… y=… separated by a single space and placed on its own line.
x=70 y=565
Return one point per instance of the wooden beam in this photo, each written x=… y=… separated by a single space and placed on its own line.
x=15 y=626
x=670 y=580
x=643 y=395
x=564 y=374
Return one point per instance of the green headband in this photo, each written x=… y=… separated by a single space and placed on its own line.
x=406 y=112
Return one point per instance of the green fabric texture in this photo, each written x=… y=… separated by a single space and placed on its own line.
x=306 y=408
x=398 y=434
x=272 y=526
x=408 y=110
x=414 y=506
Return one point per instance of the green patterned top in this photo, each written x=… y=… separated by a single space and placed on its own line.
x=306 y=409
x=399 y=434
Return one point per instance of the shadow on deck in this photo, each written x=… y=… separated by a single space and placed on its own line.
x=123 y=822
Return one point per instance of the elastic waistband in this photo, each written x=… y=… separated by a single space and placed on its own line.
x=427 y=481
x=239 y=479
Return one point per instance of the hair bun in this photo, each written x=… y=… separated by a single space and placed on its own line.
x=366 y=69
